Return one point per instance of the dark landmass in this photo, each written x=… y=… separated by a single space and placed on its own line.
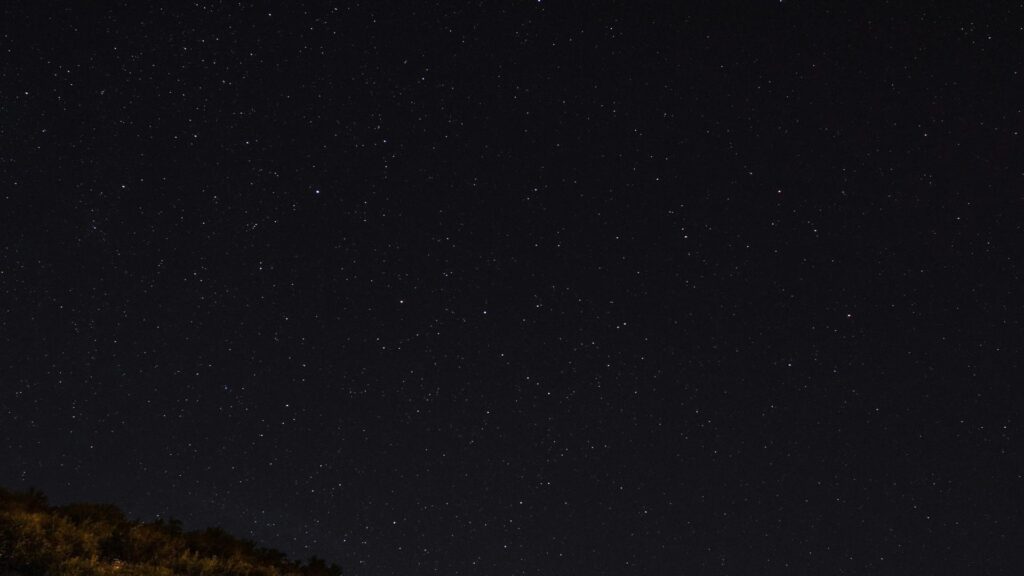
x=37 y=539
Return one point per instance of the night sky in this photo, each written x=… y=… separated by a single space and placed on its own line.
x=523 y=288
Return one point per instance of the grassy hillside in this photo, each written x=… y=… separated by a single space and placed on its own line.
x=37 y=539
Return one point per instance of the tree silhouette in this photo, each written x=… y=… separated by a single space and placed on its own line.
x=85 y=539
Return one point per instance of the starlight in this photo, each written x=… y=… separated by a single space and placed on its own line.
x=497 y=289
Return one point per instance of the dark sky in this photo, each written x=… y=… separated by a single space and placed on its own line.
x=523 y=288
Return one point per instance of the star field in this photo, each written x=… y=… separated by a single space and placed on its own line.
x=522 y=288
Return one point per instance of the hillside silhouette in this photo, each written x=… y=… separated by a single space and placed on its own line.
x=37 y=539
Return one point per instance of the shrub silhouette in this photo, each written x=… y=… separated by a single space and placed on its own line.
x=37 y=539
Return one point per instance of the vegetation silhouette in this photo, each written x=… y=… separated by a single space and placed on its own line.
x=81 y=539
